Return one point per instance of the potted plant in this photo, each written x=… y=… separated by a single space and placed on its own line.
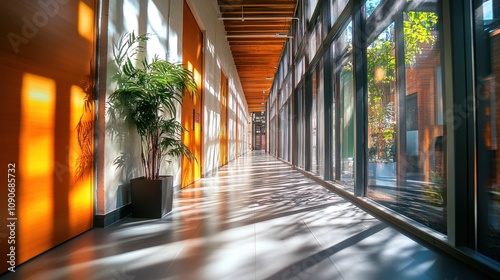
x=147 y=95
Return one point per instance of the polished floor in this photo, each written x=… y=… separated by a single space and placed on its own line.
x=255 y=219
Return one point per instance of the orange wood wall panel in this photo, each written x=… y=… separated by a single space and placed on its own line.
x=45 y=54
x=192 y=115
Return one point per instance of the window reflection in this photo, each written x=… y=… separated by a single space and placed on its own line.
x=336 y=7
x=370 y=6
x=311 y=6
x=313 y=123
x=487 y=15
x=406 y=143
x=300 y=122
x=320 y=119
x=381 y=63
x=343 y=75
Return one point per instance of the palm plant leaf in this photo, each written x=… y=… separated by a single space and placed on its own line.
x=147 y=96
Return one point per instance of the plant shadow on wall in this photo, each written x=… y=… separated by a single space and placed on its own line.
x=85 y=128
x=146 y=97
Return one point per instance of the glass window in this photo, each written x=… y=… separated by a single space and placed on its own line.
x=370 y=6
x=299 y=70
x=272 y=138
x=406 y=143
x=300 y=130
x=313 y=123
x=318 y=30
x=310 y=6
x=381 y=63
x=336 y=7
x=344 y=77
x=299 y=24
x=284 y=59
x=320 y=119
x=281 y=133
x=315 y=40
x=334 y=126
x=487 y=36
x=312 y=46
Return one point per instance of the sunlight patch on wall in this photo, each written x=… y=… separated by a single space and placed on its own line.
x=198 y=52
x=211 y=48
x=197 y=78
x=173 y=50
x=79 y=197
x=36 y=164
x=157 y=28
x=131 y=15
x=232 y=103
x=86 y=21
x=210 y=89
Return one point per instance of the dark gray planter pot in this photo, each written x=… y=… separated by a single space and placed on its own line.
x=151 y=198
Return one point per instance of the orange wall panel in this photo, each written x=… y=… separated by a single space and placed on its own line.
x=192 y=115
x=47 y=51
x=223 y=134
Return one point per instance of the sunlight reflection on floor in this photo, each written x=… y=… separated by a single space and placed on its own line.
x=257 y=219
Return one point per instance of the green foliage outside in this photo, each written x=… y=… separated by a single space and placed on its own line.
x=381 y=66
x=434 y=192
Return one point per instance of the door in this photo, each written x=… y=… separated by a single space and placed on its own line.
x=47 y=125
x=192 y=58
x=223 y=120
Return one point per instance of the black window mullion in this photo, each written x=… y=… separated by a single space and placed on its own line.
x=328 y=100
x=401 y=101
x=360 y=104
x=461 y=220
x=307 y=122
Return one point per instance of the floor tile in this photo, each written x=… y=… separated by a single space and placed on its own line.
x=257 y=218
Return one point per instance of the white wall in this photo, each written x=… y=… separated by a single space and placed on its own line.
x=163 y=19
x=217 y=57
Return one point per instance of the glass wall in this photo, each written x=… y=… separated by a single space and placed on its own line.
x=336 y=8
x=406 y=168
x=395 y=103
x=310 y=6
x=312 y=108
x=283 y=135
x=273 y=120
x=299 y=116
x=487 y=96
x=344 y=87
x=320 y=127
x=284 y=120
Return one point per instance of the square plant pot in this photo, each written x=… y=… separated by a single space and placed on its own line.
x=151 y=198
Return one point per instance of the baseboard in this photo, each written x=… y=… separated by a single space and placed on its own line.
x=106 y=220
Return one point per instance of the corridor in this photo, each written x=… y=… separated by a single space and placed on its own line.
x=257 y=218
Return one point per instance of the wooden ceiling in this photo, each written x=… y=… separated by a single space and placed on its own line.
x=256 y=31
